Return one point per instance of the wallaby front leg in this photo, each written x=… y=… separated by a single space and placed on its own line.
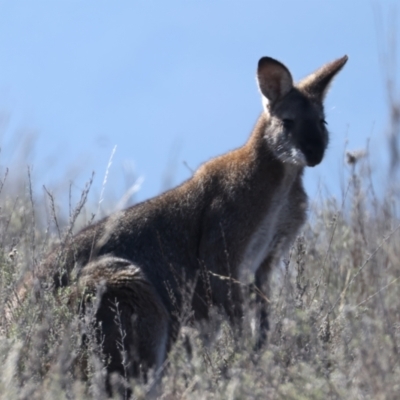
x=262 y=300
x=229 y=295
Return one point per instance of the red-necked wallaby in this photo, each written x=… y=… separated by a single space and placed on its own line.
x=234 y=218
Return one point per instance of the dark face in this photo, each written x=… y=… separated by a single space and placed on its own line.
x=311 y=138
x=302 y=126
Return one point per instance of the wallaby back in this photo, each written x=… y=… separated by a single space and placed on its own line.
x=195 y=245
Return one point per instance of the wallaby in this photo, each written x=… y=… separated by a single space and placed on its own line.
x=196 y=245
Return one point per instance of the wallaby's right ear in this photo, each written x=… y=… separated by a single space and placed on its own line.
x=274 y=79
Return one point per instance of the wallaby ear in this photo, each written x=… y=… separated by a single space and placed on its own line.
x=317 y=84
x=274 y=79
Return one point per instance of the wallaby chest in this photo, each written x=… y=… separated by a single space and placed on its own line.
x=278 y=225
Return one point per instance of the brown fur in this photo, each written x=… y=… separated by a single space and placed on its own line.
x=198 y=243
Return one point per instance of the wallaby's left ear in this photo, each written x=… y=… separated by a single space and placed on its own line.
x=317 y=84
x=274 y=79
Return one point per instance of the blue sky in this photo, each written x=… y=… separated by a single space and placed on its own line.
x=172 y=84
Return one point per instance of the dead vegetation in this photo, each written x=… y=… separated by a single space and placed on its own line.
x=335 y=308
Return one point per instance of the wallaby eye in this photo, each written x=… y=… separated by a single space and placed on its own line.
x=288 y=123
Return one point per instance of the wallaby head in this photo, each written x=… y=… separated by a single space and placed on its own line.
x=296 y=131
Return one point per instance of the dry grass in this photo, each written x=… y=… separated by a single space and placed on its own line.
x=335 y=306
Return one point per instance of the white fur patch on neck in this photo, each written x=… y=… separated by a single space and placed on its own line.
x=284 y=150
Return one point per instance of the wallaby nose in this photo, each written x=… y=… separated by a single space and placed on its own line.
x=313 y=153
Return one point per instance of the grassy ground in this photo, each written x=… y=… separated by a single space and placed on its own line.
x=335 y=313
x=335 y=316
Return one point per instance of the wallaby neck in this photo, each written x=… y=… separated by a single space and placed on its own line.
x=257 y=136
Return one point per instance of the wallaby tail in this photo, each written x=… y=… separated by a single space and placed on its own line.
x=132 y=322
